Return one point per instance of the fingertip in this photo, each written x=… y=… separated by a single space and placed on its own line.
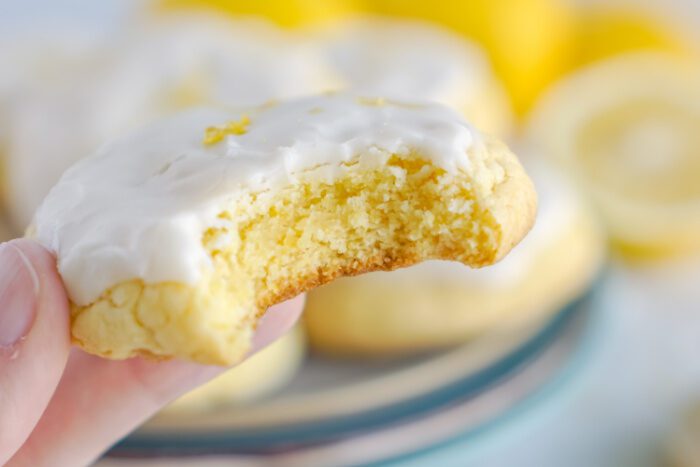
x=52 y=304
x=44 y=264
x=34 y=337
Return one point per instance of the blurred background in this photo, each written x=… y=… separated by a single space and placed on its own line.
x=581 y=348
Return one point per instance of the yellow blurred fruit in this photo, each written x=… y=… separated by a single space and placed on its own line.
x=602 y=32
x=528 y=41
x=627 y=127
x=288 y=13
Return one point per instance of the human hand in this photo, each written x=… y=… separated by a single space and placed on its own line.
x=60 y=406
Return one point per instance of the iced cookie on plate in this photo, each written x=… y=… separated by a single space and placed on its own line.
x=416 y=60
x=258 y=376
x=627 y=128
x=32 y=58
x=439 y=303
x=163 y=66
x=174 y=240
x=38 y=54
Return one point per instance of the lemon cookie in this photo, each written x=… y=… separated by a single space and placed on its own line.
x=257 y=377
x=174 y=240
x=438 y=303
x=32 y=58
x=627 y=128
x=165 y=65
x=416 y=60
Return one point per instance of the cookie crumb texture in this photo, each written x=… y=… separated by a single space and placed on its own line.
x=273 y=245
x=374 y=317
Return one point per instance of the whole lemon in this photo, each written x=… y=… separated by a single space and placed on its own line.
x=288 y=13
x=528 y=41
x=602 y=32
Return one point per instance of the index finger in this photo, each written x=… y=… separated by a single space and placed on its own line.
x=99 y=401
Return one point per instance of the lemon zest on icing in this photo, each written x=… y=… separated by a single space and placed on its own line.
x=215 y=134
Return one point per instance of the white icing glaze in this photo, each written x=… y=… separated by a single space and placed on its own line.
x=138 y=208
x=143 y=77
x=558 y=207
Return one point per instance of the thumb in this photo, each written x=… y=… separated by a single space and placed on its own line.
x=34 y=338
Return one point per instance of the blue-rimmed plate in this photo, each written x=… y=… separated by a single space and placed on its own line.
x=332 y=406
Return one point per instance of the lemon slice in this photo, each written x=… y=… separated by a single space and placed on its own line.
x=628 y=128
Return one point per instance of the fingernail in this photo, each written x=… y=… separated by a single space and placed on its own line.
x=19 y=289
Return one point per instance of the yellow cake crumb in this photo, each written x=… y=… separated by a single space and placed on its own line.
x=371 y=316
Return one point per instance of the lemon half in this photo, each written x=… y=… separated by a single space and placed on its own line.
x=628 y=128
